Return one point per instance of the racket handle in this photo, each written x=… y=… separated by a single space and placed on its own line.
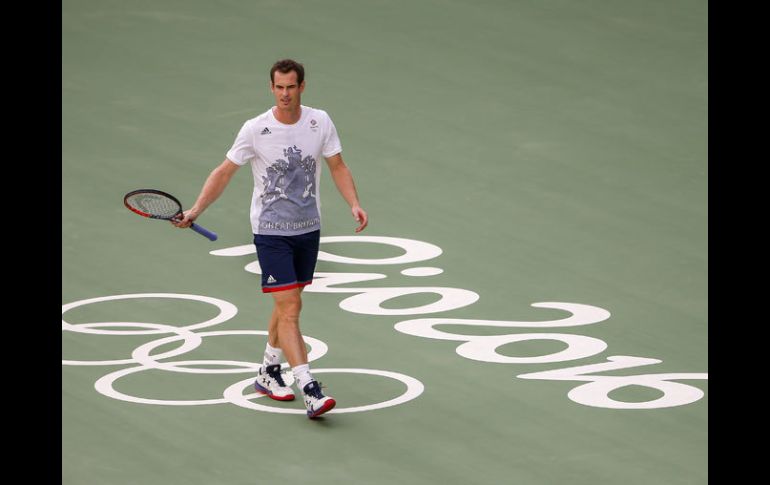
x=204 y=232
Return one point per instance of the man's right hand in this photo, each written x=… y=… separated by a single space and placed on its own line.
x=186 y=219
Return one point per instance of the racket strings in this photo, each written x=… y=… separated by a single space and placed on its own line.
x=154 y=204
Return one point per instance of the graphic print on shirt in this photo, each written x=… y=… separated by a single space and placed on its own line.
x=288 y=199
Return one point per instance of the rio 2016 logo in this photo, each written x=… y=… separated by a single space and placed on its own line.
x=483 y=347
x=593 y=392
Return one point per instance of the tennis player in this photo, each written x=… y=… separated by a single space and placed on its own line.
x=283 y=146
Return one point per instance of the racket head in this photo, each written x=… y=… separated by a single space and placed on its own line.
x=152 y=203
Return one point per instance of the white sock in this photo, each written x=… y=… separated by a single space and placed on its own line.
x=272 y=355
x=302 y=375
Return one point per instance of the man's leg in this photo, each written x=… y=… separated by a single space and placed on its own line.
x=283 y=330
x=283 y=339
x=273 y=353
x=272 y=329
x=288 y=305
x=304 y=254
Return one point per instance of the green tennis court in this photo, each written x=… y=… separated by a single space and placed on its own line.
x=528 y=305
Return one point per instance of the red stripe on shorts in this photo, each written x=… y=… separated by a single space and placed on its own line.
x=272 y=289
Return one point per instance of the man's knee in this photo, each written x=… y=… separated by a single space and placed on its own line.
x=288 y=306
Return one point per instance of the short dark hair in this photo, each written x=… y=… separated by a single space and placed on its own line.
x=286 y=66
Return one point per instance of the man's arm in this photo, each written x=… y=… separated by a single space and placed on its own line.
x=344 y=181
x=213 y=187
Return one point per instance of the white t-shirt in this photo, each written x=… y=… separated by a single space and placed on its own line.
x=285 y=162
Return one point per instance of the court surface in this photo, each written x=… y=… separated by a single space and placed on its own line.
x=514 y=152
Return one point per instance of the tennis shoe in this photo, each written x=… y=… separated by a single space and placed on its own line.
x=270 y=383
x=315 y=402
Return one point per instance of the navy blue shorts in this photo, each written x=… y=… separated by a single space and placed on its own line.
x=287 y=261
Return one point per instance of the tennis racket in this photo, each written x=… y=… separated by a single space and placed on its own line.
x=157 y=204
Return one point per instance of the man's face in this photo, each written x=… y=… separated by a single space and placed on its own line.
x=286 y=90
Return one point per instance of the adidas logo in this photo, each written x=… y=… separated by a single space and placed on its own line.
x=270 y=278
x=266 y=131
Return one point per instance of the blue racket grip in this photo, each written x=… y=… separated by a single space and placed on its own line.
x=204 y=232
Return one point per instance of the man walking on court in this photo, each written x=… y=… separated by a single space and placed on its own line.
x=283 y=145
